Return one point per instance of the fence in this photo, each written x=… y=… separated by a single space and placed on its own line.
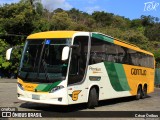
x=157 y=77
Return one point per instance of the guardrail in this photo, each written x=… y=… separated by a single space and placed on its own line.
x=157 y=77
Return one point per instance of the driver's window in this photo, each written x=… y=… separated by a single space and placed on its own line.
x=78 y=60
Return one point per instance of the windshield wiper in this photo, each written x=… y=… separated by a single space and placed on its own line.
x=45 y=69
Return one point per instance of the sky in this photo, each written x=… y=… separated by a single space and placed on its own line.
x=131 y=9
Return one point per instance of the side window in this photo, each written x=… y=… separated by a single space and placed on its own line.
x=134 y=57
x=97 y=53
x=151 y=62
x=129 y=56
x=78 y=62
x=121 y=54
x=104 y=51
x=125 y=55
x=111 y=52
x=140 y=59
x=146 y=60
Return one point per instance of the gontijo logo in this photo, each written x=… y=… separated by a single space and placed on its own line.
x=135 y=71
x=95 y=70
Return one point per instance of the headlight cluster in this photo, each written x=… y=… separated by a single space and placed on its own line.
x=20 y=86
x=56 y=88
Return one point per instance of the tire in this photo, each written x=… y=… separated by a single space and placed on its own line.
x=93 y=99
x=144 y=92
x=139 y=93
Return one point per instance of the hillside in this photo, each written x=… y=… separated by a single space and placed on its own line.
x=18 y=20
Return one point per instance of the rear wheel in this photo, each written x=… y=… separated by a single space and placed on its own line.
x=144 y=92
x=93 y=98
x=139 y=93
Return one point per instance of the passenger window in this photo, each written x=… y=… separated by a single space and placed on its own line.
x=111 y=52
x=104 y=51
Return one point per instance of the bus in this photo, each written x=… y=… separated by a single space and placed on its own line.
x=71 y=67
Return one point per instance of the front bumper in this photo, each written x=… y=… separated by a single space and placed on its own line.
x=59 y=97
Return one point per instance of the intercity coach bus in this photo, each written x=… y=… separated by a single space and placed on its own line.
x=70 y=67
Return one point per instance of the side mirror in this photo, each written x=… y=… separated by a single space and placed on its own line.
x=74 y=46
x=65 y=53
x=8 y=53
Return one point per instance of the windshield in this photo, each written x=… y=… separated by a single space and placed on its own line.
x=41 y=60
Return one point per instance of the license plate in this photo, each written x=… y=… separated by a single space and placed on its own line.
x=35 y=97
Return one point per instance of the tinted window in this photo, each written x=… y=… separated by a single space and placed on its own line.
x=105 y=51
x=78 y=60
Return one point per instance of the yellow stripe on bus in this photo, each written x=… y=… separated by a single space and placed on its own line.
x=52 y=34
x=131 y=47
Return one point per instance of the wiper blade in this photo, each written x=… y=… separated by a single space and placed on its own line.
x=26 y=76
x=45 y=69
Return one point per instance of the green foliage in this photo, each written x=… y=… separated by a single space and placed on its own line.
x=111 y=31
x=41 y=25
x=78 y=27
x=136 y=23
x=60 y=21
x=157 y=53
x=157 y=57
x=4 y=64
x=20 y=18
x=17 y=20
x=153 y=32
x=15 y=60
x=120 y=22
x=103 y=18
x=147 y=20
x=137 y=38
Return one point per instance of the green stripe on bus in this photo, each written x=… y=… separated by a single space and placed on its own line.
x=47 y=87
x=122 y=76
x=102 y=37
x=117 y=76
x=113 y=76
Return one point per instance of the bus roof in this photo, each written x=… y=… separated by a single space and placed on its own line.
x=52 y=34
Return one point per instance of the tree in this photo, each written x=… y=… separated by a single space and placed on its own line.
x=60 y=21
x=82 y=20
x=4 y=64
x=120 y=22
x=103 y=18
x=74 y=14
x=58 y=10
x=19 y=18
x=15 y=22
x=136 y=23
x=153 y=32
x=147 y=20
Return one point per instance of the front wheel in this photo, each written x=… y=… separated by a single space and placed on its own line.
x=93 y=98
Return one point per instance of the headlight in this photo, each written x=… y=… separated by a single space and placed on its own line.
x=56 y=88
x=20 y=86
